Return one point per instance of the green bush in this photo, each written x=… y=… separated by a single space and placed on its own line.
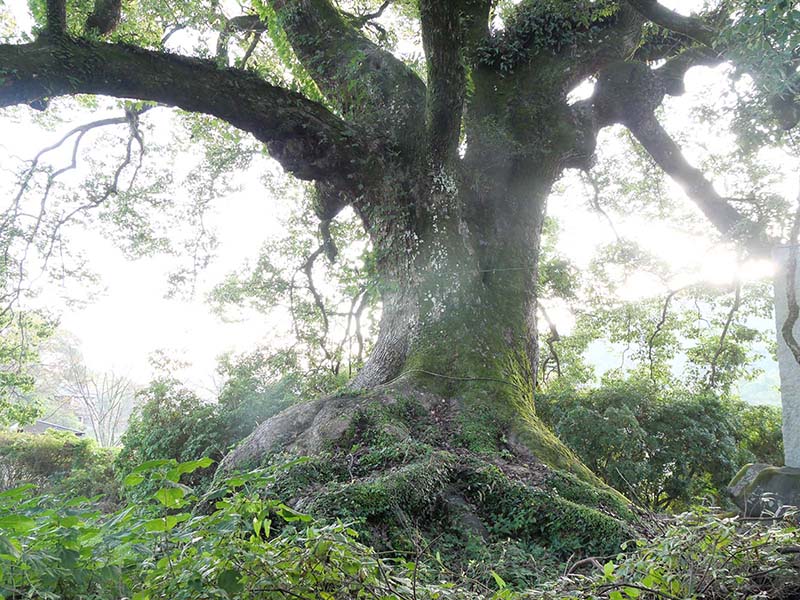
x=170 y=422
x=760 y=434
x=664 y=446
x=58 y=463
x=173 y=422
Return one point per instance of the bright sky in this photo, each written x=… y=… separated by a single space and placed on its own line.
x=130 y=318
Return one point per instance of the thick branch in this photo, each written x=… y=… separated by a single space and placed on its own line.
x=302 y=135
x=667 y=154
x=448 y=30
x=105 y=16
x=674 y=70
x=363 y=80
x=56 y=17
x=785 y=108
x=692 y=26
x=629 y=93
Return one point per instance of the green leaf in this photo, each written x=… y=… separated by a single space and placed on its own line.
x=152 y=465
x=228 y=580
x=17 y=493
x=191 y=466
x=164 y=524
x=17 y=523
x=290 y=515
x=501 y=584
x=608 y=570
x=171 y=497
x=133 y=479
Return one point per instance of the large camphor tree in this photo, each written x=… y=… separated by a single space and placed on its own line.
x=449 y=171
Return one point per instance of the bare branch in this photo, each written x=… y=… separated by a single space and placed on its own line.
x=552 y=337
x=51 y=238
x=587 y=177
x=250 y=49
x=307 y=268
x=737 y=301
x=659 y=326
x=361 y=20
x=243 y=23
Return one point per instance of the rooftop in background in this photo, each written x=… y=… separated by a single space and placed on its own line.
x=41 y=426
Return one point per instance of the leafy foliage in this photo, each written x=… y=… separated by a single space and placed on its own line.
x=244 y=547
x=666 y=447
x=58 y=463
x=172 y=422
x=21 y=335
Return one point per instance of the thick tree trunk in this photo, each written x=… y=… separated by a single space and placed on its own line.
x=459 y=277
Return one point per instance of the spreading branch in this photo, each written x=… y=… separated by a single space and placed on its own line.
x=692 y=26
x=305 y=137
x=47 y=234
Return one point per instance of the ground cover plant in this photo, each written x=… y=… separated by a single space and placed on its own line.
x=233 y=542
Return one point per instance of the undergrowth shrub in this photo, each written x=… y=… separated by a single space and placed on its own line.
x=59 y=463
x=664 y=447
x=246 y=547
x=172 y=422
x=703 y=555
x=243 y=546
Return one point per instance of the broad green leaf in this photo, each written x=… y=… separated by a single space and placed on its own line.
x=133 y=479
x=17 y=523
x=228 y=580
x=171 y=497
